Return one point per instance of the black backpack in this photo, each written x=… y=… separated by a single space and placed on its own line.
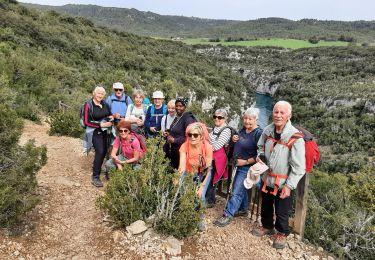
x=82 y=112
x=229 y=147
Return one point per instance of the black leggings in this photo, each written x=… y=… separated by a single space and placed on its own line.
x=100 y=143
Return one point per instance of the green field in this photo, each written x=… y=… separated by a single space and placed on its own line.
x=285 y=43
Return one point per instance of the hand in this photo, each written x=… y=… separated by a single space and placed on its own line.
x=170 y=139
x=153 y=129
x=106 y=124
x=285 y=192
x=258 y=160
x=235 y=138
x=199 y=191
x=116 y=115
x=139 y=122
x=116 y=160
x=241 y=162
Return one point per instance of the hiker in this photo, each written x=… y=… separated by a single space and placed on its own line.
x=167 y=120
x=97 y=118
x=126 y=148
x=177 y=131
x=245 y=153
x=287 y=167
x=154 y=114
x=196 y=158
x=118 y=101
x=219 y=138
x=136 y=112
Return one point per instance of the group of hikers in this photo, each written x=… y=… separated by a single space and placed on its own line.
x=192 y=149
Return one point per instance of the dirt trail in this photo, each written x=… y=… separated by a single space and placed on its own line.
x=67 y=225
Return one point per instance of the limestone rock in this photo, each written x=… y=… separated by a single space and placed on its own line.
x=137 y=227
x=173 y=246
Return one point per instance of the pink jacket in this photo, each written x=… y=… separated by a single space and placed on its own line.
x=220 y=159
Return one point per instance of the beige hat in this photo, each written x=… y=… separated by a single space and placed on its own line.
x=118 y=85
x=158 y=94
x=253 y=175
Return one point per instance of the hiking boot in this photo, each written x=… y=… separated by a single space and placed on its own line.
x=279 y=240
x=261 y=231
x=241 y=213
x=202 y=225
x=96 y=182
x=222 y=221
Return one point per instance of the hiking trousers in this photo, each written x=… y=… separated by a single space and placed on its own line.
x=100 y=143
x=282 y=209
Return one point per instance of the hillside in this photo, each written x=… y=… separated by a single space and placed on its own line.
x=49 y=57
x=151 y=24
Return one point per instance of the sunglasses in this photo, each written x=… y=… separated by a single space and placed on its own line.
x=123 y=131
x=218 y=117
x=193 y=135
x=118 y=89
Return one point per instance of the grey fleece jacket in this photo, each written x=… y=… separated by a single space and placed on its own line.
x=282 y=160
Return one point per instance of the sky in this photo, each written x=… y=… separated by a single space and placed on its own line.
x=343 y=10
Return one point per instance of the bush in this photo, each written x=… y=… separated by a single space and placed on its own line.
x=132 y=195
x=334 y=220
x=65 y=123
x=18 y=166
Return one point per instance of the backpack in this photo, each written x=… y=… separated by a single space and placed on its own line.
x=229 y=147
x=126 y=101
x=312 y=154
x=152 y=110
x=82 y=113
x=144 y=107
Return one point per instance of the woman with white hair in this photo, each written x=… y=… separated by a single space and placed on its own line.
x=245 y=153
x=97 y=117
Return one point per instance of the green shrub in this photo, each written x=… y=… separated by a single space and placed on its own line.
x=334 y=220
x=18 y=166
x=132 y=195
x=65 y=123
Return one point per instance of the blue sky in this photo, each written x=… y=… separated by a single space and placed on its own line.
x=345 y=10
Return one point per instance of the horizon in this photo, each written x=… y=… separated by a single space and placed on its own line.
x=234 y=10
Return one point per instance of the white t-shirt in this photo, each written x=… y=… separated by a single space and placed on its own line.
x=134 y=112
x=169 y=122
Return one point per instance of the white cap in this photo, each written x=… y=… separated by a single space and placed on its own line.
x=253 y=175
x=118 y=85
x=250 y=180
x=157 y=94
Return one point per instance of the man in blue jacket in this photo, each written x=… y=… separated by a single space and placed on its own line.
x=154 y=114
x=118 y=102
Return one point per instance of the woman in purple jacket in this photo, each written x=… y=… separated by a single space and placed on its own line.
x=176 y=134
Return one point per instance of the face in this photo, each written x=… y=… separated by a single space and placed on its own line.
x=280 y=115
x=123 y=132
x=219 y=119
x=180 y=108
x=171 y=110
x=158 y=101
x=118 y=92
x=194 y=136
x=99 y=95
x=138 y=99
x=249 y=122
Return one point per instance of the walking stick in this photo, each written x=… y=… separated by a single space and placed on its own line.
x=258 y=199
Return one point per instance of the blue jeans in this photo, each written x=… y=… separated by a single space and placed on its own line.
x=111 y=165
x=238 y=199
x=209 y=176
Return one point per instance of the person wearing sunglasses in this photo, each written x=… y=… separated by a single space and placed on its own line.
x=245 y=152
x=118 y=102
x=177 y=130
x=126 y=148
x=219 y=138
x=196 y=159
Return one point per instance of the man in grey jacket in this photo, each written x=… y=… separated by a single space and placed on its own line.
x=282 y=148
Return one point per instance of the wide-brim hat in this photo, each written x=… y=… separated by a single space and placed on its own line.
x=251 y=180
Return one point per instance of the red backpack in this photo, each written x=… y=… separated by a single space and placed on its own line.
x=142 y=142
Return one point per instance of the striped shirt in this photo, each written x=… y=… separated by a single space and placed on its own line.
x=218 y=141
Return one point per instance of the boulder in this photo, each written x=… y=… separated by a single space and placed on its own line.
x=137 y=227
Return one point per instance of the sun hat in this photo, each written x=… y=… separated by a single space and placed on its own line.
x=118 y=85
x=253 y=175
x=158 y=94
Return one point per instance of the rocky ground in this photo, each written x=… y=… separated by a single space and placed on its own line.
x=67 y=225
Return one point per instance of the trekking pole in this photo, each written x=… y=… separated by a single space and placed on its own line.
x=233 y=175
x=253 y=206
x=258 y=193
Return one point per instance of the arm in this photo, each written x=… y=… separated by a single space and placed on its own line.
x=87 y=118
x=182 y=164
x=135 y=157
x=127 y=115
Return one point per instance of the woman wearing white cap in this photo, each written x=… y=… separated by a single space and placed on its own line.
x=154 y=115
